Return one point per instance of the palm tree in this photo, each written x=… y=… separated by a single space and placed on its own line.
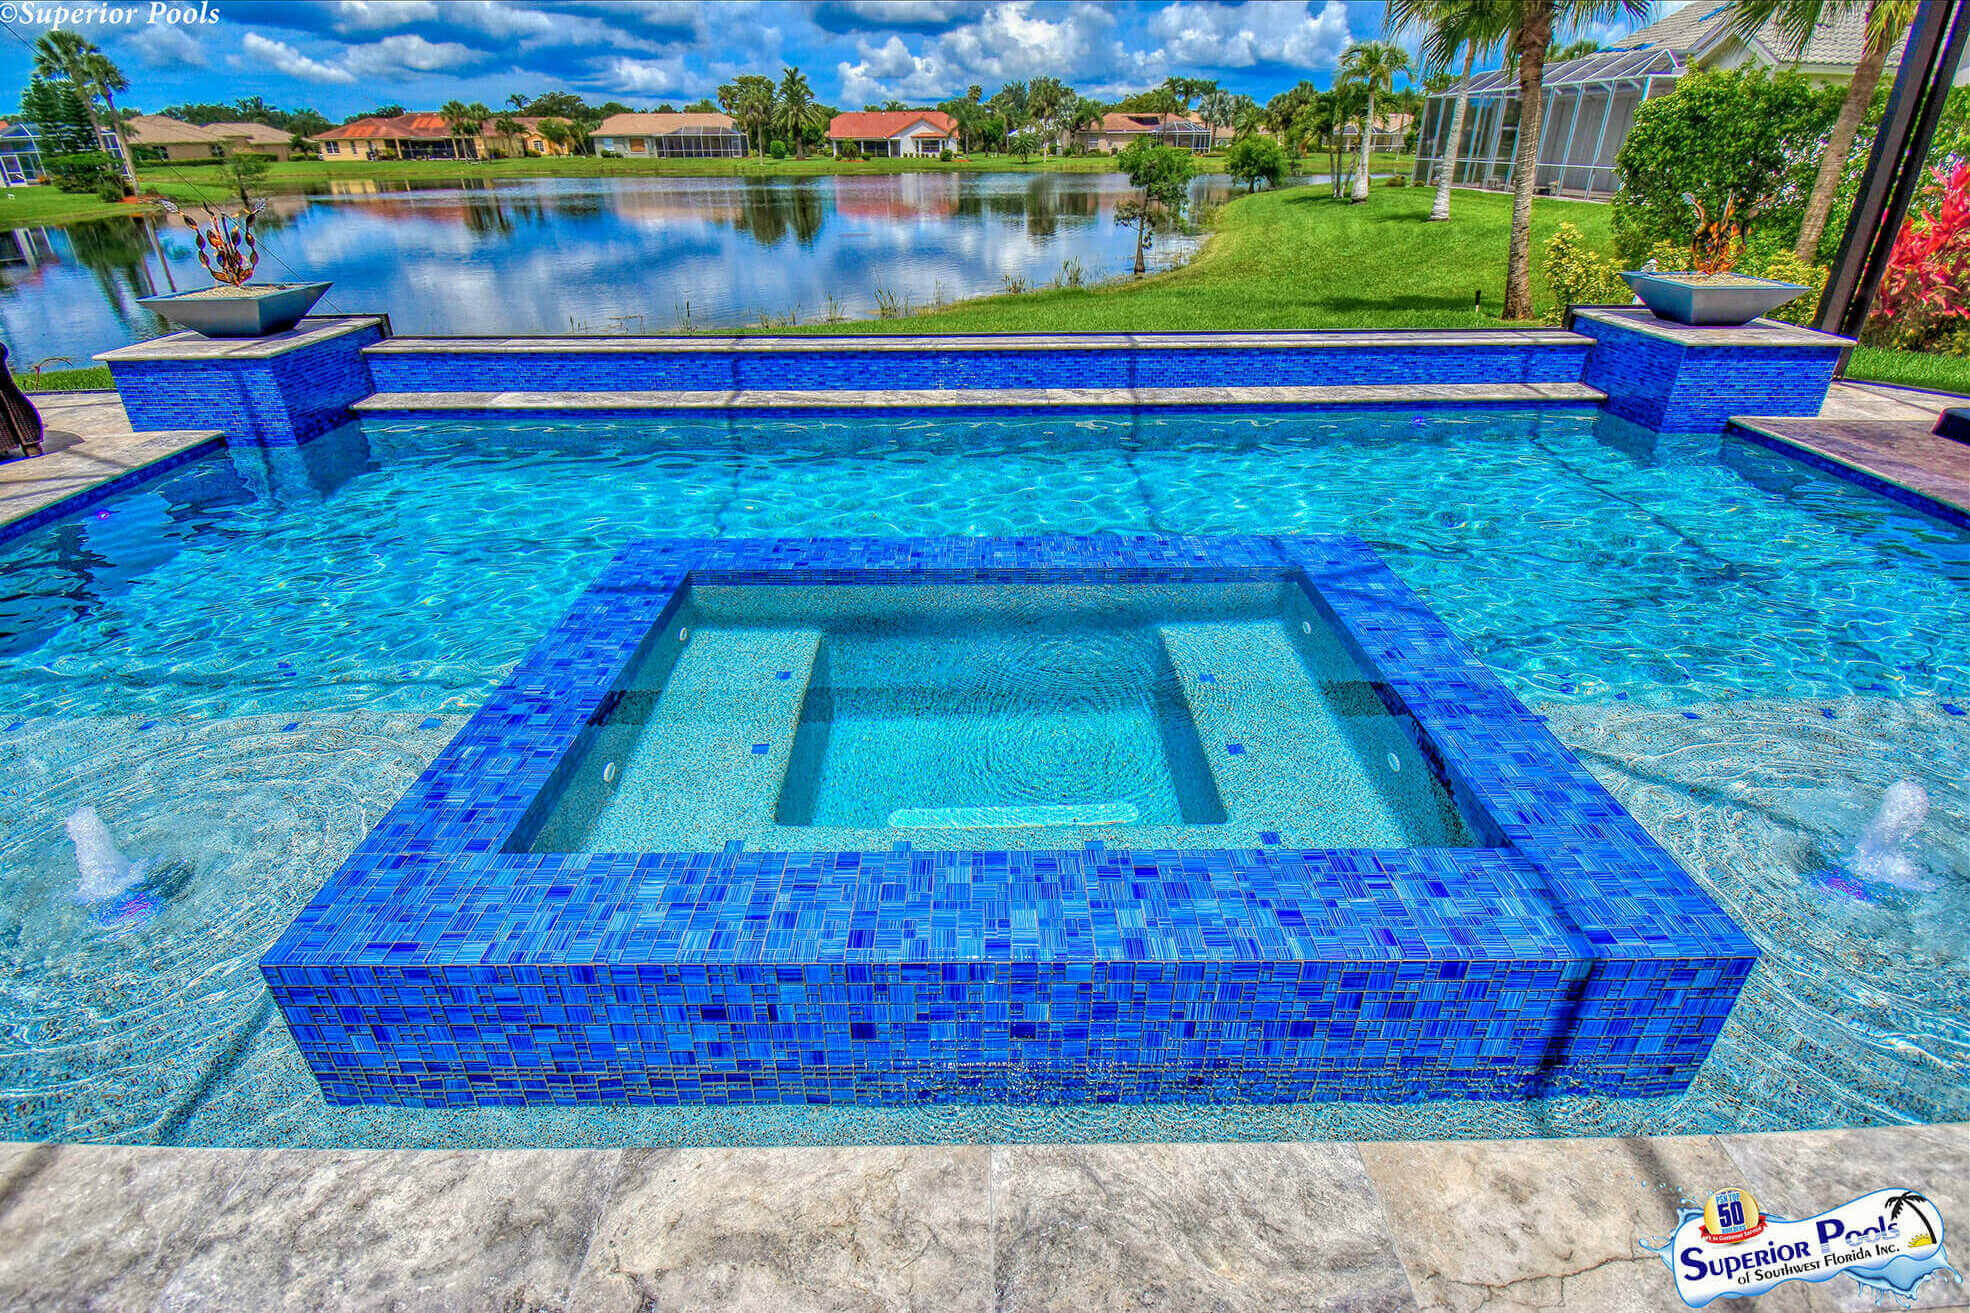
x=464 y=122
x=1010 y=104
x=1081 y=113
x=1530 y=25
x=1047 y=98
x=1449 y=25
x=798 y=110
x=1373 y=66
x=1886 y=21
x=748 y=98
x=64 y=54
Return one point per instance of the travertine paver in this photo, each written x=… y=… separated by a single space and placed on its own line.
x=1458 y=1225
x=1190 y=1226
x=104 y=1227
x=424 y=1230
x=1538 y=1224
x=88 y=441
x=793 y=1230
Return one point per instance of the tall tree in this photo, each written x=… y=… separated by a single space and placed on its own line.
x=1047 y=98
x=749 y=99
x=105 y=80
x=1371 y=65
x=1161 y=175
x=1887 y=21
x=1010 y=104
x=1530 y=26
x=1448 y=26
x=1217 y=108
x=70 y=56
x=797 y=110
x=463 y=121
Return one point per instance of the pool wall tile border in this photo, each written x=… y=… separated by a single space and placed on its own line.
x=440 y=966
x=1749 y=431
x=83 y=498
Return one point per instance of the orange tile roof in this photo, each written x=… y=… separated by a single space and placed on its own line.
x=870 y=125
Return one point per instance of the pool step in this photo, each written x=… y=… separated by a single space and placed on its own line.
x=1321 y=763
x=707 y=767
x=1406 y=394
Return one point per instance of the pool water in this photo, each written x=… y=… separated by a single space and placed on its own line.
x=242 y=664
x=1193 y=716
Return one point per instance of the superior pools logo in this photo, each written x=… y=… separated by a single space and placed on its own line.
x=1890 y=1240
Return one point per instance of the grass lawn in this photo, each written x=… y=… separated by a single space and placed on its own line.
x=1296 y=258
x=1915 y=369
x=29 y=207
x=66 y=380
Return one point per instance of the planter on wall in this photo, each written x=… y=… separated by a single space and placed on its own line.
x=1717 y=299
x=256 y=311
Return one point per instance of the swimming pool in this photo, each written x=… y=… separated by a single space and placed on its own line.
x=241 y=665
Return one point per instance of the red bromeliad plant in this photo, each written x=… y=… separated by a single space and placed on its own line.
x=1925 y=291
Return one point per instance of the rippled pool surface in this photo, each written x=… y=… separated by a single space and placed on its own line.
x=242 y=664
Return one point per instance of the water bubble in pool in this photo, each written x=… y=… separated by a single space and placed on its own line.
x=1879 y=855
x=105 y=872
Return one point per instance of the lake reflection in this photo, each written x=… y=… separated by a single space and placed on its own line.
x=601 y=255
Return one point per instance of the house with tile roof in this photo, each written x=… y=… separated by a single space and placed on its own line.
x=1590 y=102
x=154 y=137
x=894 y=132
x=1117 y=131
x=670 y=136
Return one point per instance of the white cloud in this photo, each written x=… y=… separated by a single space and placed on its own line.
x=654 y=77
x=161 y=45
x=283 y=58
x=1007 y=42
x=375 y=15
x=1239 y=36
x=406 y=53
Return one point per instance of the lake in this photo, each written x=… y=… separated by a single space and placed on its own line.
x=598 y=255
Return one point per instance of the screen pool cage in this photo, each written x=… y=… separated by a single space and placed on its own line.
x=1590 y=104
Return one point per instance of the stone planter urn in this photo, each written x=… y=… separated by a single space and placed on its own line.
x=1689 y=297
x=258 y=310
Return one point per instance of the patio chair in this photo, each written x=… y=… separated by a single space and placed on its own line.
x=20 y=422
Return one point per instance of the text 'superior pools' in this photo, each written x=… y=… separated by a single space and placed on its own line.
x=1026 y=716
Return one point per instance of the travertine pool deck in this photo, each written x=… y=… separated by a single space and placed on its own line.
x=1461 y=1225
x=91 y=453
x=1881 y=436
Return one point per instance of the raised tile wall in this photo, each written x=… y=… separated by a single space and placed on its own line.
x=273 y=401
x=1672 y=387
x=866 y=370
x=445 y=965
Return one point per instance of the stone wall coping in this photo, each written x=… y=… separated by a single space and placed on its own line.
x=987 y=398
x=196 y=346
x=1333 y=340
x=1757 y=333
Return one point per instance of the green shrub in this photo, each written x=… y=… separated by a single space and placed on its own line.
x=1397 y=180
x=1580 y=275
x=84 y=171
x=777 y=149
x=946 y=155
x=1786 y=267
x=1738 y=134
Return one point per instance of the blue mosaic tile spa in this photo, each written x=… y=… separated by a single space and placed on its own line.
x=1060 y=819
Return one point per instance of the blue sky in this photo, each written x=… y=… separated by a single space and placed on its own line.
x=344 y=56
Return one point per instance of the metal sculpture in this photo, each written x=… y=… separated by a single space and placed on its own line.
x=225 y=244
